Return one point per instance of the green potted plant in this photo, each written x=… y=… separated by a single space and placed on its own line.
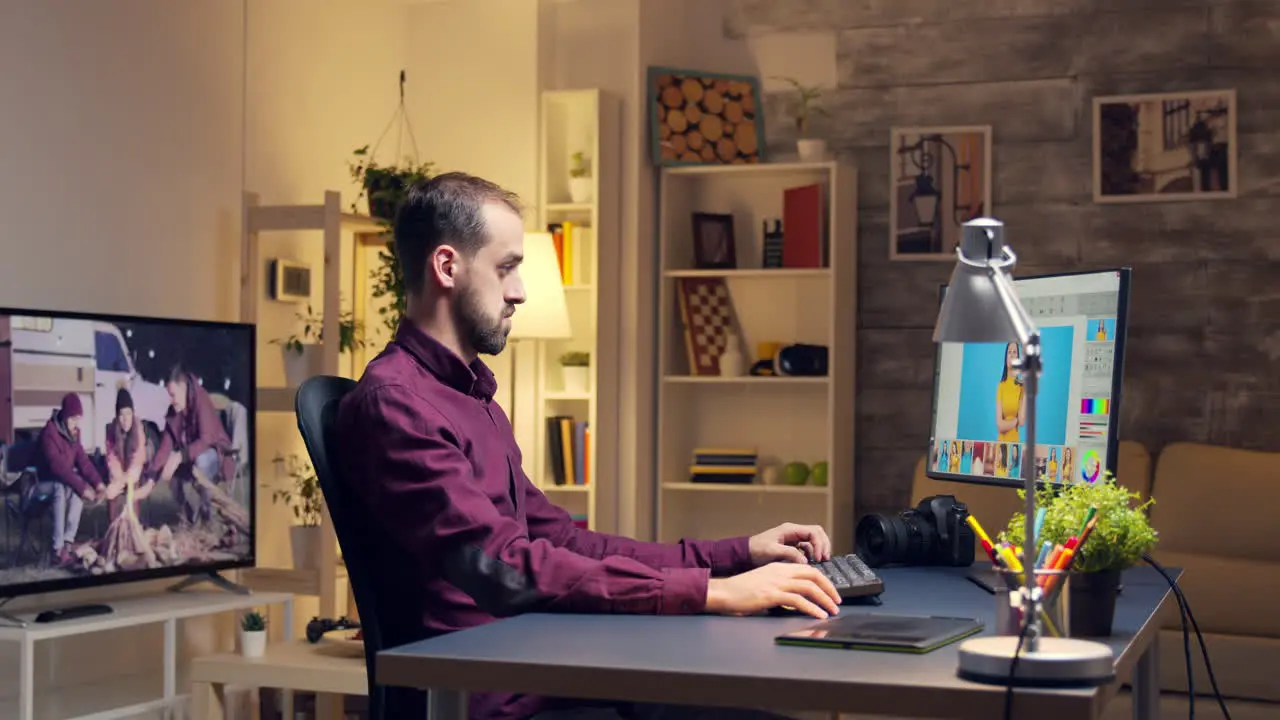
x=253 y=634
x=302 y=349
x=581 y=188
x=1120 y=537
x=306 y=501
x=385 y=185
x=808 y=148
x=574 y=368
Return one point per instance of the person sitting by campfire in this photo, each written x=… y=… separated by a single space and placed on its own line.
x=76 y=480
x=126 y=447
x=193 y=448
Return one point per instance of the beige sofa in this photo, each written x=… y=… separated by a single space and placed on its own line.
x=1211 y=512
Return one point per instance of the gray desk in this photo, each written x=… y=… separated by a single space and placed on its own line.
x=734 y=662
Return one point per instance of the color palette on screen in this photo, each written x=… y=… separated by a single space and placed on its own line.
x=1095 y=406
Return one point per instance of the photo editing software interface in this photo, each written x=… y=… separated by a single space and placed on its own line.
x=979 y=411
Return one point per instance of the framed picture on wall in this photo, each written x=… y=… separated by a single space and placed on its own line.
x=1163 y=147
x=939 y=179
x=699 y=118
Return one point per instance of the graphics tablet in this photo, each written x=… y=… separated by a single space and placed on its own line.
x=877 y=631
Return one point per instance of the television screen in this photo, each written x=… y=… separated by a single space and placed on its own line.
x=127 y=449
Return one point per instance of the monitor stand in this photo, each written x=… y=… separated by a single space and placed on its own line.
x=212 y=578
x=8 y=619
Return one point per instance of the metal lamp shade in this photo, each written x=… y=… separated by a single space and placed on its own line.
x=972 y=310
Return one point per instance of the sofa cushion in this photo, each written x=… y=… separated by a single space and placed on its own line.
x=1229 y=596
x=1244 y=666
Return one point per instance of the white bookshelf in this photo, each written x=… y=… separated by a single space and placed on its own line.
x=583 y=121
x=782 y=419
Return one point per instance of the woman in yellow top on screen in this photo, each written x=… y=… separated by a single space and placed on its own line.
x=955 y=457
x=1067 y=470
x=1053 y=464
x=1011 y=403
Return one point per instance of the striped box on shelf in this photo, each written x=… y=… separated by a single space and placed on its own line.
x=719 y=465
x=568 y=446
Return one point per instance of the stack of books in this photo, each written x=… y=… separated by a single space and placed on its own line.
x=717 y=465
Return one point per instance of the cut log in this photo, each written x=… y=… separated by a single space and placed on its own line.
x=231 y=511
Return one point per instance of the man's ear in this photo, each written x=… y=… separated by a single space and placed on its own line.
x=444 y=265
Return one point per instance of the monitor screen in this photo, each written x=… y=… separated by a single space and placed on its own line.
x=127 y=449
x=979 y=414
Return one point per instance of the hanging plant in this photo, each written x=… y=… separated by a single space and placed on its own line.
x=385 y=186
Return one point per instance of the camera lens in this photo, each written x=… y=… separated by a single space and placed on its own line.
x=907 y=539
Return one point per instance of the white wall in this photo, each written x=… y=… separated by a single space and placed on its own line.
x=123 y=131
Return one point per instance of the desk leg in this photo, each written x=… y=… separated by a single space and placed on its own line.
x=330 y=706
x=1146 y=683
x=207 y=701
x=27 y=680
x=286 y=695
x=446 y=705
x=170 y=663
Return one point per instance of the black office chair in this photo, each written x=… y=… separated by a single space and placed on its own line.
x=316 y=405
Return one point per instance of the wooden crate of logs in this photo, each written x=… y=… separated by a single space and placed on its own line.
x=705 y=118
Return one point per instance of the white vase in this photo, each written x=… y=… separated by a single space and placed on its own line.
x=731 y=362
x=580 y=189
x=304 y=542
x=575 y=378
x=811 y=149
x=253 y=643
x=298 y=366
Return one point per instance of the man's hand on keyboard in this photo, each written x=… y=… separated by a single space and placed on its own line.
x=802 y=587
x=790 y=542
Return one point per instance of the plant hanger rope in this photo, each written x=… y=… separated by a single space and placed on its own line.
x=402 y=114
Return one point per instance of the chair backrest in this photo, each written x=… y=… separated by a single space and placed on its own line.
x=316 y=405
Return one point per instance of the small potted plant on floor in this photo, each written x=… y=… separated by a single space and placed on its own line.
x=302 y=349
x=305 y=499
x=253 y=634
x=810 y=149
x=574 y=368
x=580 y=185
x=1120 y=537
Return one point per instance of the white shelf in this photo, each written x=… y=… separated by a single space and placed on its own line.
x=265 y=218
x=565 y=488
x=754 y=273
x=745 y=488
x=128 y=696
x=748 y=380
x=780 y=168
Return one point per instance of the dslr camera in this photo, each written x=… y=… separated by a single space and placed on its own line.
x=934 y=532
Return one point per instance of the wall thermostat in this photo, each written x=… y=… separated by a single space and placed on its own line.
x=290 y=281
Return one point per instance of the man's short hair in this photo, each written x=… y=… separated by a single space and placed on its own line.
x=443 y=210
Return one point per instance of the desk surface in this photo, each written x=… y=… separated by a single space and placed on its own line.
x=716 y=660
x=331 y=665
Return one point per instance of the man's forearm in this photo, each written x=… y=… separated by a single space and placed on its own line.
x=722 y=557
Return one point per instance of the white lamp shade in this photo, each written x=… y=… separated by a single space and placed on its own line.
x=543 y=315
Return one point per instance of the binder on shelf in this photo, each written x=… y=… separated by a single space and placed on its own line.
x=568 y=448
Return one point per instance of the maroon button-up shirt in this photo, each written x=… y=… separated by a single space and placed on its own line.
x=469 y=538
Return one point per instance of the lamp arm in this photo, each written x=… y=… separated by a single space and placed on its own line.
x=1023 y=326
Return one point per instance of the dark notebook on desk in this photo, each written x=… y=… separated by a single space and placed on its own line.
x=878 y=631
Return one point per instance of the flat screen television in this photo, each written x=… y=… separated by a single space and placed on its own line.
x=126 y=449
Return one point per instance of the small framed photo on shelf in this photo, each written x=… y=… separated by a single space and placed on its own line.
x=1163 y=147
x=714 y=247
x=939 y=179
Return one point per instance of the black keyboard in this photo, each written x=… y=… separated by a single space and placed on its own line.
x=851 y=576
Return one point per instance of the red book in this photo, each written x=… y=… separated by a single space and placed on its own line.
x=802 y=241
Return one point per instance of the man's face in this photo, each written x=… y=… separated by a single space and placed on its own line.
x=177 y=394
x=73 y=424
x=489 y=286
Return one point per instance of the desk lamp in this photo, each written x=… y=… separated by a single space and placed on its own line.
x=543 y=315
x=981 y=305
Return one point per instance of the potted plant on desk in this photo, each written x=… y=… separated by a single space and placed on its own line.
x=302 y=350
x=253 y=634
x=307 y=503
x=1121 y=535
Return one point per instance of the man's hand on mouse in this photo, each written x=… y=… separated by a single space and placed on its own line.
x=790 y=542
x=800 y=586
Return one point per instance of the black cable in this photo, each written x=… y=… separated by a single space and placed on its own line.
x=1013 y=668
x=1204 y=651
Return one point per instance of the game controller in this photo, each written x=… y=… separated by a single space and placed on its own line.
x=317 y=628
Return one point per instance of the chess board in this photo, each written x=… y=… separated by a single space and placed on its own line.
x=707 y=312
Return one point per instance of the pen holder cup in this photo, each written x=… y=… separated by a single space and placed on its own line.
x=1053 y=601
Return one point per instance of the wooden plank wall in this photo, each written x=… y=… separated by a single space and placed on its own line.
x=1205 y=330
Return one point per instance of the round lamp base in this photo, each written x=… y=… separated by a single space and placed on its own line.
x=1057 y=662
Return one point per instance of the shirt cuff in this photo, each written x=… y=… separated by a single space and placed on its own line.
x=684 y=591
x=731 y=556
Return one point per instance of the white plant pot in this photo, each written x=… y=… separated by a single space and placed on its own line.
x=580 y=189
x=811 y=150
x=304 y=542
x=253 y=643
x=298 y=366
x=575 y=378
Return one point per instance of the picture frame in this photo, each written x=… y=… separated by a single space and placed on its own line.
x=714 y=245
x=1165 y=147
x=704 y=118
x=939 y=178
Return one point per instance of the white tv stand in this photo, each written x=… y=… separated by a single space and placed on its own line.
x=164 y=607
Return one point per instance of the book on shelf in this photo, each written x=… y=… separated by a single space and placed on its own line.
x=719 y=465
x=568 y=448
x=572 y=245
x=803 y=241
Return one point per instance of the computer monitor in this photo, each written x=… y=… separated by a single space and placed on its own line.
x=979 y=424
